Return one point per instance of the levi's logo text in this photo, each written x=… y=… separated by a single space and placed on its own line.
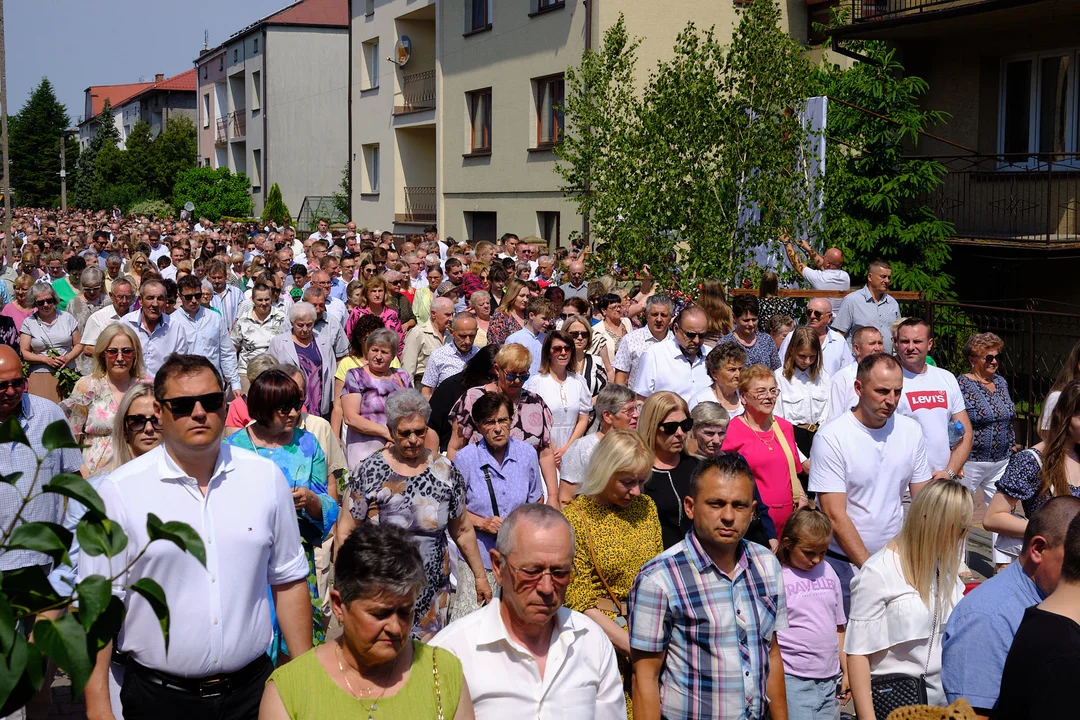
x=927 y=399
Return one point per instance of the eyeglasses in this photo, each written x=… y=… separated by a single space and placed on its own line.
x=45 y=301
x=184 y=406
x=559 y=575
x=991 y=358
x=762 y=394
x=693 y=335
x=560 y=349
x=135 y=423
x=91 y=288
x=369 y=271
x=17 y=384
x=579 y=334
x=817 y=313
x=493 y=422
x=113 y=352
x=406 y=434
x=123 y=298
x=669 y=428
x=286 y=409
x=191 y=296
x=513 y=377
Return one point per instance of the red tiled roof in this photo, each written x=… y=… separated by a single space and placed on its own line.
x=313 y=12
x=115 y=94
x=184 y=82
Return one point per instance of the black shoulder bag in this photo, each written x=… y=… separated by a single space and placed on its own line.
x=898 y=690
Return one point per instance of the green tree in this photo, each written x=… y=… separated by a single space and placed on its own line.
x=343 y=199
x=874 y=191
x=136 y=165
x=275 y=210
x=172 y=152
x=215 y=192
x=88 y=183
x=35 y=134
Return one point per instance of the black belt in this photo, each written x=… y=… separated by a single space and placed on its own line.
x=210 y=686
x=837 y=556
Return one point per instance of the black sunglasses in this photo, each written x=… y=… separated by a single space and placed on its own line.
x=135 y=423
x=669 y=428
x=192 y=296
x=16 y=385
x=693 y=335
x=991 y=358
x=578 y=334
x=286 y=409
x=45 y=301
x=817 y=313
x=183 y=406
x=512 y=377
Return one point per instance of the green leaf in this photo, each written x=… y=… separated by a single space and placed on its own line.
x=28 y=589
x=99 y=535
x=76 y=488
x=11 y=431
x=64 y=642
x=12 y=666
x=10 y=479
x=43 y=537
x=7 y=626
x=94 y=594
x=106 y=626
x=180 y=534
x=57 y=436
x=154 y=595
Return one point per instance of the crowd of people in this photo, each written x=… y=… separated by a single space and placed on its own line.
x=439 y=479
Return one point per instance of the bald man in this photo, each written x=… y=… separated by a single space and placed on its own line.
x=677 y=363
x=575 y=285
x=426 y=338
x=827 y=273
x=835 y=353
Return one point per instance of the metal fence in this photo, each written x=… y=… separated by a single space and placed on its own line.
x=870 y=10
x=417 y=93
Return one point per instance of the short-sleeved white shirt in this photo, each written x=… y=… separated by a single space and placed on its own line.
x=828 y=280
x=842 y=395
x=665 y=367
x=932 y=398
x=872 y=467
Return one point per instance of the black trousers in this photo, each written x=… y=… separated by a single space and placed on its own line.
x=145 y=700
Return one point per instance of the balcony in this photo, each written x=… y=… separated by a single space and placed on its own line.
x=238 y=123
x=878 y=18
x=417 y=93
x=419 y=205
x=221 y=134
x=1017 y=200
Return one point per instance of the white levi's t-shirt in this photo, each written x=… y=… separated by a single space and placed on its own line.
x=872 y=467
x=931 y=398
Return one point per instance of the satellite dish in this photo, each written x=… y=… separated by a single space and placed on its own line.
x=189 y=206
x=402 y=51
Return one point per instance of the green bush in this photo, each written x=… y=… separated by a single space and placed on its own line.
x=214 y=192
x=275 y=210
x=152 y=208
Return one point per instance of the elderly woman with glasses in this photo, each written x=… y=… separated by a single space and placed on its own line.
x=500 y=474
x=768 y=444
x=313 y=353
x=617 y=531
x=665 y=426
x=274 y=402
x=49 y=341
x=364 y=394
x=94 y=402
x=411 y=487
x=532 y=416
x=991 y=409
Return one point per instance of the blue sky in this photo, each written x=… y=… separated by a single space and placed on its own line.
x=78 y=43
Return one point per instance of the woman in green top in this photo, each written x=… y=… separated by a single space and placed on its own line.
x=374 y=670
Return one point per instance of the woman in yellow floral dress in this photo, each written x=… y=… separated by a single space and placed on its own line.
x=617 y=531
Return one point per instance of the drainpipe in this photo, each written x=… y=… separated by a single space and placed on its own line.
x=349 y=120
x=264 y=103
x=585 y=229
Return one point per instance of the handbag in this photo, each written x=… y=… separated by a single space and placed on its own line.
x=898 y=690
x=616 y=606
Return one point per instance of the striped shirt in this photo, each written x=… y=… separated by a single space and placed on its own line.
x=859 y=309
x=227 y=303
x=716 y=630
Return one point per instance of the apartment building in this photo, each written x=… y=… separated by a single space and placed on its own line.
x=158 y=103
x=273 y=102
x=467 y=140
x=94 y=99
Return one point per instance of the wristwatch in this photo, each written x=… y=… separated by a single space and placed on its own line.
x=952 y=475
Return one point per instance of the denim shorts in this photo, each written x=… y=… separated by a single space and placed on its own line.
x=810 y=699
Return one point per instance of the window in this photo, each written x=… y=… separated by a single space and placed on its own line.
x=1039 y=111
x=221 y=63
x=478 y=15
x=235 y=54
x=256 y=168
x=549 y=115
x=542 y=6
x=206 y=162
x=371 y=64
x=548 y=224
x=206 y=110
x=481 y=226
x=256 y=93
x=369 y=8
x=479 y=104
x=370 y=182
x=204 y=71
x=255 y=46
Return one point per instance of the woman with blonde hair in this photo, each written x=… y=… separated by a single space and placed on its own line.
x=94 y=403
x=711 y=299
x=618 y=531
x=510 y=317
x=804 y=387
x=137 y=268
x=20 y=306
x=665 y=425
x=903 y=595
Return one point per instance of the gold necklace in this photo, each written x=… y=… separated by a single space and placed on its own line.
x=375 y=703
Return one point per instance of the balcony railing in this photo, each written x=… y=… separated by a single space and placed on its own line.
x=221 y=131
x=238 y=122
x=1015 y=200
x=419 y=205
x=872 y=10
x=417 y=93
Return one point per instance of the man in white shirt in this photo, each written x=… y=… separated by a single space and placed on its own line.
x=828 y=274
x=677 y=363
x=451 y=358
x=524 y=655
x=334 y=306
x=540 y=313
x=157 y=248
x=323 y=232
x=244 y=512
x=122 y=296
x=635 y=343
x=932 y=397
x=865 y=342
x=176 y=256
x=159 y=335
x=431 y=234
x=835 y=353
x=209 y=336
x=861 y=464
x=227 y=298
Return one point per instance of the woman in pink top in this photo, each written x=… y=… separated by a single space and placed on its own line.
x=375 y=304
x=768 y=444
x=16 y=309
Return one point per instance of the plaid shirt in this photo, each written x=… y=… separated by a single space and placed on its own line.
x=716 y=630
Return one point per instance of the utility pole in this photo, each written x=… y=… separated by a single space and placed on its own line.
x=4 y=141
x=63 y=170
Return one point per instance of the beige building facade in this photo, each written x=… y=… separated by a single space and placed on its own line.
x=473 y=152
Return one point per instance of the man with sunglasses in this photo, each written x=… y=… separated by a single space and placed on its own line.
x=243 y=509
x=835 y=353
x=122 y=296
x=159 y=334
x=525 y=654
x=677 y=363
x=206 y=328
